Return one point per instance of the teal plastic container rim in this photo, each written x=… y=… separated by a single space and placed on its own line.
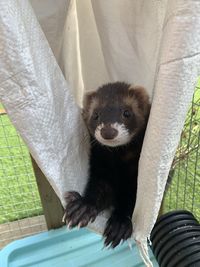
x=74 y=248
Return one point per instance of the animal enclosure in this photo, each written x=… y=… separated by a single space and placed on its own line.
x=20 y=206
x=183 y=190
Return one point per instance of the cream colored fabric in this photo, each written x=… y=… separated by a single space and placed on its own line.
x=151 y=43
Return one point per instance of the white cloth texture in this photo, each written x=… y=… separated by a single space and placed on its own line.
x=51 y=52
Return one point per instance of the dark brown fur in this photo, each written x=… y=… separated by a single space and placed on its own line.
x=120 y=95
x=113 y=170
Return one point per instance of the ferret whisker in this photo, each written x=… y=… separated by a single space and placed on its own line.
x=93 y=142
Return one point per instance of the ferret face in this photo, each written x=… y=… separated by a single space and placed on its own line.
x=115 y=113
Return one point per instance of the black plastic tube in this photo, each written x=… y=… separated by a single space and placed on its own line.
x=175 y=240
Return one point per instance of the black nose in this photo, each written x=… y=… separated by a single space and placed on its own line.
x=108 y=133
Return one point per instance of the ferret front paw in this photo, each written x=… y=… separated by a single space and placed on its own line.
x=78 y=212
x=117 y=229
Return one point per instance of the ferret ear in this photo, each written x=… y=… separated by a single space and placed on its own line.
x=87 y=100
x=139 y=93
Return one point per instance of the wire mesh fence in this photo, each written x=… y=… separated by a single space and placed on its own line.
x=184 y=180
x=19 y=197
x=20 y=206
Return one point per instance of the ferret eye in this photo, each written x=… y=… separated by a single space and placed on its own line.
x=126 y=114
x=95 y=116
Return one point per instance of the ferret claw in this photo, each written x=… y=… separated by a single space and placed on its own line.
x=69 y=225
x=64 y=218
x=79 y=225
x=129 y=244
x=109 y=246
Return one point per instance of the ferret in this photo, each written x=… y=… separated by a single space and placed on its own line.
x=116 y=116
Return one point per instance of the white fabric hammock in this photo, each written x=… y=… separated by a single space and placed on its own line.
x=151 y=43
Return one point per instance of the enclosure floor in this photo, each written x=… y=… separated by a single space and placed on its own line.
x=75 y=248
x=15 y=230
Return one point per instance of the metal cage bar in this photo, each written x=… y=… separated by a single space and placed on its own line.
x=183 y=189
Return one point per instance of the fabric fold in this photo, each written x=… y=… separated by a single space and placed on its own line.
x=150 y=43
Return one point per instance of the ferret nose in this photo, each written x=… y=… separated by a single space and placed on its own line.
x=108 y=133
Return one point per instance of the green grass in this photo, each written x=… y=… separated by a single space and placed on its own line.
x=19 y=196
x=184 y=191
